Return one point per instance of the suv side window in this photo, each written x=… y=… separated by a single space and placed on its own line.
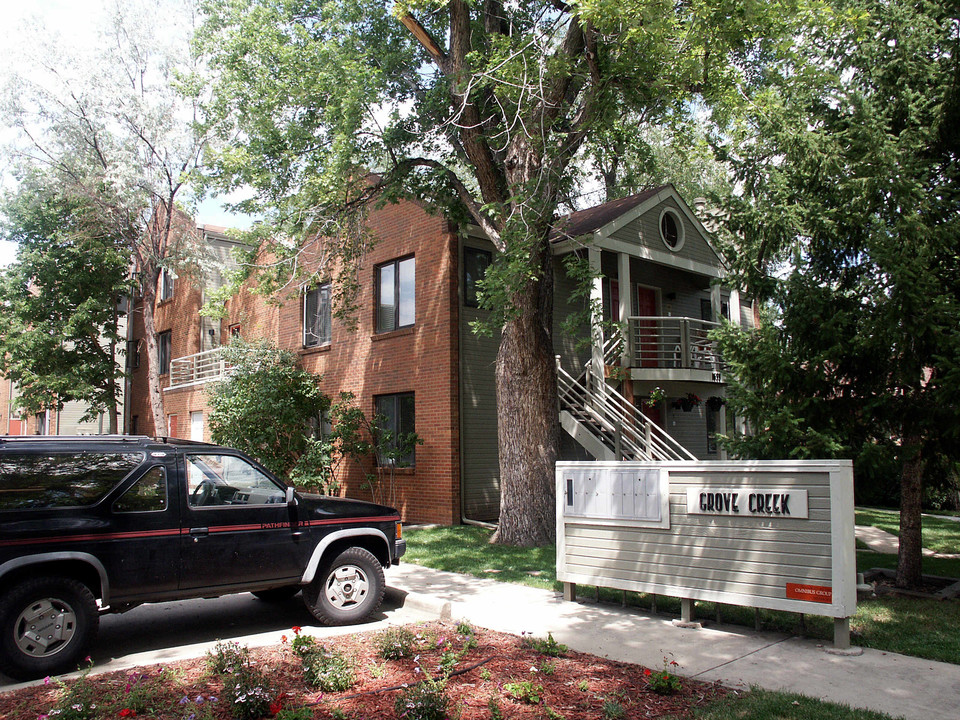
x=228 y=480
x=30 y=481
x=148 y=494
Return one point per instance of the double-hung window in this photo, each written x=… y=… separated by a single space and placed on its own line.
x=316 y=316
x=166 y=284
x=396 y=301
x=396 y=418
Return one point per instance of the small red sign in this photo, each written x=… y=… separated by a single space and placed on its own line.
x=810 y=593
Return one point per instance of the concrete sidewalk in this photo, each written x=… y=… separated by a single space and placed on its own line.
x=898 y=685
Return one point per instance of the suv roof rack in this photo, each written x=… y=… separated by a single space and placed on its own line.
x=71 y=438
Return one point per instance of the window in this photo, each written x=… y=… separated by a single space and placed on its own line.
x=163 y=351
x=229 y=480
x=234 y=331
x=671 y=229
x=148 y=494
x=395 y=295
x=133 y=354
x=396 y=418
x=475 y=264
x=75 y=479
x=166 y=284
x=316 y=316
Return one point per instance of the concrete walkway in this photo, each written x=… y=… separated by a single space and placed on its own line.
x=898 y=685
x=883 y=542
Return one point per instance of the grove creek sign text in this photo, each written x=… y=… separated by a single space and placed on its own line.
x=748 y=502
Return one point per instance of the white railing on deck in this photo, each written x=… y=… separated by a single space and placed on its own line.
x=614 y=421
x=202 y=367
x=673 y=342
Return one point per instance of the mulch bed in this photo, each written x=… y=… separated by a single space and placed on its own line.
x=575 y=686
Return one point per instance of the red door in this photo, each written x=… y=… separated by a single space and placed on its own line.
x=647 y=331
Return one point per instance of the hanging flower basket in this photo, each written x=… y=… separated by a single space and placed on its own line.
x=715 y=402
x=687 y=403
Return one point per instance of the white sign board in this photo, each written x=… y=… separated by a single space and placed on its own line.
x=770 y=534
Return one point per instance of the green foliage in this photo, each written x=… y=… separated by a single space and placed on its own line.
x=59 y=329
x=328 y=670
x=427 y=700
x=395 y=643
x=613 y=710
x=303 y=713
x=847 y=227
x=77 y=699
x=525 y=691
x=247 y=691
x=226 y=657
x=547 y=646
x=663 y=682
x=270 y=407
x=364 y=440
x=763 y=704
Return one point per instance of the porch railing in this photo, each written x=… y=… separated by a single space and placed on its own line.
x=614 y=422
x=673 y=342
x=199 y=368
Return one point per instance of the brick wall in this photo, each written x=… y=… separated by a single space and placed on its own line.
x=422 y=359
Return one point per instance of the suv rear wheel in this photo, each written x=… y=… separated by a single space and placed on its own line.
x=346 y=589
x=47 y=625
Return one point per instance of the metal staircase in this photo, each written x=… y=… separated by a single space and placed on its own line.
x=606 y=424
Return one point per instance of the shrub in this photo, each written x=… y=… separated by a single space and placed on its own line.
x=247 y=691
x=227 y=656
x=525 y=691
x=395 y=643
x=329 y=670
x=546 y=647
x=427 y=700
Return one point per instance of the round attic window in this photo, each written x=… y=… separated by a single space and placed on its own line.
x=671 y=229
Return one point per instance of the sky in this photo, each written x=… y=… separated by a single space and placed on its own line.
x=75 y=20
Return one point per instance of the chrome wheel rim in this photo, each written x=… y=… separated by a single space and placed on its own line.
x=346 y=586
x=45 y=627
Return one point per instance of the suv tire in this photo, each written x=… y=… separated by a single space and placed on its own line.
x=65 y=608
x=346 y=589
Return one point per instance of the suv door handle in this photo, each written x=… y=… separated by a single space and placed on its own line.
x=199 y=532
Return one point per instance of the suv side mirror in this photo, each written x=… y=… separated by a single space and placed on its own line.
x=291 y=497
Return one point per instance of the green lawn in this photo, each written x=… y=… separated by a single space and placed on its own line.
x=939 y=535
x=922 y=628
x=766 y=705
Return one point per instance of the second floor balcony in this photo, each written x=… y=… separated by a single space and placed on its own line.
x=196 y=369
x=673 y=348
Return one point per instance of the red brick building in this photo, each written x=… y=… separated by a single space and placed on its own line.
x=414 y=358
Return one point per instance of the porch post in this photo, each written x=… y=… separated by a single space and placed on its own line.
x=735 y=307
x=596 y=330
x=716 y=303
x=623 y=282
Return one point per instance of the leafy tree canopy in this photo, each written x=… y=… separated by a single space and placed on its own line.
x=479 y=109
x=270 y=407
x=849 y=169
x=59 y=325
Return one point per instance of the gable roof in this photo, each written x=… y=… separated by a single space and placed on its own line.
x=586 y=221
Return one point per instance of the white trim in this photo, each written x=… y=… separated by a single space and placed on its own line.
x=311 y=570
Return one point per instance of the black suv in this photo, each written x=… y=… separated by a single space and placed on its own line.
x=100 y=524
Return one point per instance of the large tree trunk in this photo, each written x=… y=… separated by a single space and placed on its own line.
x=528 y=427
x=910 y=557
x=153 y=361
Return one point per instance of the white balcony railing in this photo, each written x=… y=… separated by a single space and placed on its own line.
x=195 y=369
x=673 y=343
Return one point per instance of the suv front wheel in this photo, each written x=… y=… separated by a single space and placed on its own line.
x=47 y=625
x=346 y=589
